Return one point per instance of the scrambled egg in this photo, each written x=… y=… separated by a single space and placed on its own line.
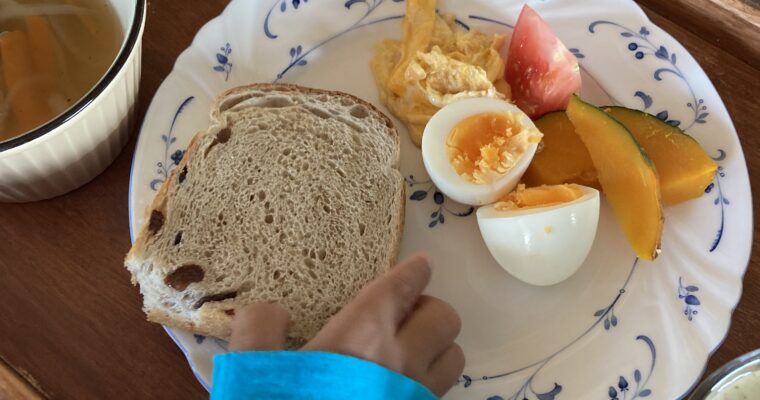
x=435 y=64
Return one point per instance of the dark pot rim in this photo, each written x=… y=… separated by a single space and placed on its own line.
x=96 y=91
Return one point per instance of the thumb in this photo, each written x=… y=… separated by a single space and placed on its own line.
x=388 y=299
x=259 y=327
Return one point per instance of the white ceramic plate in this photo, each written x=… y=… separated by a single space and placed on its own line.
x=618 y=328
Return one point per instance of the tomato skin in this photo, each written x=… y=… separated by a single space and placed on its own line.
x=542 y=73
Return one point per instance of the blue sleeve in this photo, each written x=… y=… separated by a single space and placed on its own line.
x=280 y=375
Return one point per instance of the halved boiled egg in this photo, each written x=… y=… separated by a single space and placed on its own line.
x=541 y=235
x=476 y=150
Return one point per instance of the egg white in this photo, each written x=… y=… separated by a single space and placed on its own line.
x=443 y=174
x=545 y=245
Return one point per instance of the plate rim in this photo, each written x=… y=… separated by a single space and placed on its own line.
x=643 y=18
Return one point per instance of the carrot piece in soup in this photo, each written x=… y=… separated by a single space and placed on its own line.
x=24 y=87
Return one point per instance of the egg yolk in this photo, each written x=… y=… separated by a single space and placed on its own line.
x=540 y=196
x=483 y=147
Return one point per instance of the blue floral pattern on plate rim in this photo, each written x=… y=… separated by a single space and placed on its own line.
x=641 y=46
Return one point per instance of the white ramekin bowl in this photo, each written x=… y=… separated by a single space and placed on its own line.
x=76 y=146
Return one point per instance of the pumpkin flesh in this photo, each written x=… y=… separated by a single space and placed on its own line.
x=626 y=174
x=684 y=168
x=562 y=157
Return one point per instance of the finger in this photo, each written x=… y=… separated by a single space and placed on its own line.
x=429 y=330
x=259 y=327
x=389 y=299
x=445 y=370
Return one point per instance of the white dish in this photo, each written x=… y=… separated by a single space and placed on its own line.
x=79 y=144
x=617 y=328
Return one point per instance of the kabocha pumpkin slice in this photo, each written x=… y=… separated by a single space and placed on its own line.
x=562 y=156
x=626 y=174
x=682 y=165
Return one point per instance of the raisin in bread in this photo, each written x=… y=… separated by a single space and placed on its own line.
x=293 y=195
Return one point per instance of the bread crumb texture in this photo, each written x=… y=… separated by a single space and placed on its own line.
x=292 y=196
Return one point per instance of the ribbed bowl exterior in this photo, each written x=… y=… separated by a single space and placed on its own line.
x=78 y=150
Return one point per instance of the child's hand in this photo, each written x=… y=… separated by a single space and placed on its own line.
x=389 y=323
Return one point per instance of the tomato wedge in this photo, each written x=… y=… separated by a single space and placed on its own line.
x=540 y=70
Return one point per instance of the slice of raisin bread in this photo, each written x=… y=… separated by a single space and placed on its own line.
x=293 y=195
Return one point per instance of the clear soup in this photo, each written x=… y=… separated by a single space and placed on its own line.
x=52 y=52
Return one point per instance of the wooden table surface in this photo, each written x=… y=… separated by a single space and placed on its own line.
x=70 y=321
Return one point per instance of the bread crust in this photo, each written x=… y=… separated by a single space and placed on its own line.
x=160 y=202
x=287 y=87
x=214 y=320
